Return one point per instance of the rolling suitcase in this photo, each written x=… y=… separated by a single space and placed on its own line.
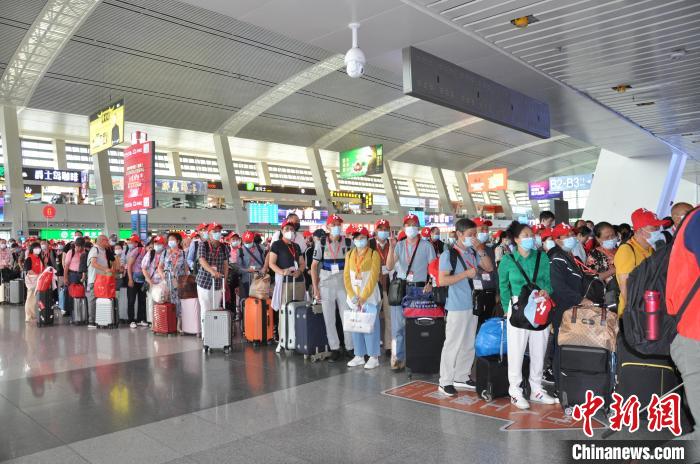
x=581 y=368
x=18 y=292
x=105 y=313
x=216 y=333
x=492 y=377
x=424 y=339
x=3 y=294
x=259 y=321
x=123 y=302
x=191 y=319
x=165 y=314
x=44 y=308
x=79 y=313
x=310 y=331
x=287 y=316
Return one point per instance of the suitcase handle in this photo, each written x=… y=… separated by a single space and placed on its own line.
x=426 y=321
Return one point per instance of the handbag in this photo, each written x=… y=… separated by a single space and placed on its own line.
x=160 y=293
x=187 y=287
x=517 y=316
x=589 y=326
x=359 y=321
x=105 y=286
x=260 y=287
x=76 y=290
x=484 y=302
x=397 y=287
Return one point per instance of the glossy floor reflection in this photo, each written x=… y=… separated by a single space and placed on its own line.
x=125 y=396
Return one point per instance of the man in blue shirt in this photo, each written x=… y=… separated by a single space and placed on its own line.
x=457 y=266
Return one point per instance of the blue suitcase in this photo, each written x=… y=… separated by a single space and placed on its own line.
x=310 y=332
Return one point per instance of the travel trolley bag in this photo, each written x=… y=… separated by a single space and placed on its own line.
x=79 y=314
x=217 y=324
x=492 y=376
x=424 y=339
x=4 y=291
x=287 y=316
x=581 y=368
x=123 y=303
x=105 y=313
x=258 y=321
x=44 y=308
x=191 y=318
x=165 y=314
x=17 y=291
x=310 y=331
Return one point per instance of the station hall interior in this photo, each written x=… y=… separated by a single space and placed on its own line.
x=255 y=110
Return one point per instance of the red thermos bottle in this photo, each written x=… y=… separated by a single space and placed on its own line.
x=653 y=314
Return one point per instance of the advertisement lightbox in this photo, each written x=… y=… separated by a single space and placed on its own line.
x=362 y=161
x=540 y=191
x=488 y=181
x=139 y=176
x=107 y=127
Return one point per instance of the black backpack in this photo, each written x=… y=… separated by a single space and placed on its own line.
x=651 y=274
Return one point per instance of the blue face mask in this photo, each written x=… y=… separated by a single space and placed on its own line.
x=382 y=234
x=216 y=236
x=336 y=231
x=528 y=243
x=483 y=237
x=610 y=244
x=468 y=242
x=569 y=243
x=361 y=243
x=248 y=245
x=205 y=236
x=655 y=236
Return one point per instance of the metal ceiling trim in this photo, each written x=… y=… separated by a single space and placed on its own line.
x=551 y=158
x=641 y=77
x=581 y=75
x=278 y=93
x=420 y=140
x=512 y=150
x=569 y=168
x=509 y=14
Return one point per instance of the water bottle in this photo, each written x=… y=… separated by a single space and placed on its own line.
x=652 y=314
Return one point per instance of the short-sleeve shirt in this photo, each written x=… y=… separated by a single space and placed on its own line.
x=287 y=255
x=298 y=239
x=486 y=280
x=419 y=268
x=217 y=257
x=328 y=255
x=247 y=257
x=151 y=265
x=629 y=256
x=101 y=255
x=459 y=296
x=137 y=254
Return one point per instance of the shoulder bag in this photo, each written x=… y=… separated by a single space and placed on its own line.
x=517 y=317
x=397 y=287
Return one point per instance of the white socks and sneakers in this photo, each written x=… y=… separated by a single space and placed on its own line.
x=360 y=360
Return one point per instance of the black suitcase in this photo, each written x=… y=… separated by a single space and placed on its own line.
x=44 y=308
x=425 y=337
x=581 y=368
x=492 y=377
x=310 y=331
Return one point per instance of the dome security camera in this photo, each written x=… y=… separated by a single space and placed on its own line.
x=355 y=59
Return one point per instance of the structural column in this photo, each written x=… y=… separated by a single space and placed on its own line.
x=59 y=146
x=175 y=159
x=535 y=208
x=467 y=200
x=507 y=209
x=265 y=171
x=443 y=193
x=317 y=172
x=229 y=184
x=105 y=192
x=670 y=188
x=15 y=207
x=390 y=189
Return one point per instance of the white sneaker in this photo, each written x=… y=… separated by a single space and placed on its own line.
x=132 y=325
x=520 y=402
x=543 y=397
x=356 y=361
x=372 y=363
x=143 y=324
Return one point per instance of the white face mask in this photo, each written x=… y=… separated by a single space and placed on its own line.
x=172 y=243
x=468 y=242
x=289 y=235
x=118 y=252
x=549 y=244
x=435 y=237
x=248 y=245
x=569 y=243
x=112 y=242
x=235 y=243
x=3 y=246
x=411 y=231
x=158 y=248
x=451 y=240
x=336 y=231
x=538 y=241
x=483 y=237
x=216 y=236
x=382 y=234
x=609 y=244
x=360 y=243
x=44 y=247
x=205 y=236
x=36 y=251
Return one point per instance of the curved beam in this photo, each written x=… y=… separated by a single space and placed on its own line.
x=510 y=151
x=284 y=89
x=573 y=166
x=550 y=158
x=420 y=140
x=48 y=34
x=365 y=118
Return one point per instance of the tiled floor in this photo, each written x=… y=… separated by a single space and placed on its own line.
x=127 y=396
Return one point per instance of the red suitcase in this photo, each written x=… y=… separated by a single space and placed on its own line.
x=164 y=318
x=258 y=324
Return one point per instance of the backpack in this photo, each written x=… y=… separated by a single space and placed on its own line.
x=651 y=274
x=440 y=293
x=518 y=318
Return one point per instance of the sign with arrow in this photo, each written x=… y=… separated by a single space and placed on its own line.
x=538 y=417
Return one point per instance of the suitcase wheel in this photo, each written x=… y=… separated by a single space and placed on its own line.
x=568 y=411
x=487 y=396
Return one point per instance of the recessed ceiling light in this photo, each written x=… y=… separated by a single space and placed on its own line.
x=646 y=103
x=622 y=88
x=524 y=21
x=678 y=54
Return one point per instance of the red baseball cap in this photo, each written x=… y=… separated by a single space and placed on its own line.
x=560 y=230
x=546 y=232
x=382 y=223
x=201 y=227
x=425 y=232
x=307 y=234
x=480 y=222
x=401 y=236
x=350 y=230
x=360 y=231
x=248 y=236
x=135 y=239
x=159 y=239
x=286 y=223
x=411 y=217
x=334 y=218
x=643 y=217
x=497 y=234
x=214 y=226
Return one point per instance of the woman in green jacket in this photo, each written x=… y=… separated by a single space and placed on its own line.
x=511 y=280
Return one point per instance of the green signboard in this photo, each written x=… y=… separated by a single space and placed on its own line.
x=67 y=234
x=360 y=162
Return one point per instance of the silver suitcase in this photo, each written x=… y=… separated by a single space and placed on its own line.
x=104 y=313
x=123 y=304
x=17 y=291
x=3 y=295
x=216 y=332
x=79 y=314
x=287 y=321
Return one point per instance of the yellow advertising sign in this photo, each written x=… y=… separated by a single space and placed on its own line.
x=107 y=127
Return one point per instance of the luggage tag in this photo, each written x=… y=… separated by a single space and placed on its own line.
x=357 y=283
x=335 y=268
x=296 y=266
x=478 y=285
x=486 y=277
x=409 y=277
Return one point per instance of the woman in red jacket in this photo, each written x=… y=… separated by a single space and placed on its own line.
x=33 y=266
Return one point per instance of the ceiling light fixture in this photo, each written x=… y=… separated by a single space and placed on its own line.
x=622 y=88
x=524 y=21
x=355 y=59
x=646 y=103
x=678 y=54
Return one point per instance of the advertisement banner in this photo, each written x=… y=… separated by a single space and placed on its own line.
x=540 y=191
x=2 y=209
x=51 y=175
x=362 y=161
x=187 y=187
x=139 y=176
x=566 y=183
x=488 y=181
x=107 y=127
x=307 y=216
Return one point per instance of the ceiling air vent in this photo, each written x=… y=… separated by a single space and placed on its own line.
x=646 y=103
x=523 y=21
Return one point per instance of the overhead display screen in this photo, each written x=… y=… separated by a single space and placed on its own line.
x=107 y=127
x=565 y=183
x=487 y=181
x=263 y=213
x=362 y=161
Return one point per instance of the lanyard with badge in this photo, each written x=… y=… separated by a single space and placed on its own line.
x=215 y=257
x=409 y=273
x=357 y=282
x=466 y=264
x=480 y=278
x=385 y=270
x=335 y=268
x=293 y=252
